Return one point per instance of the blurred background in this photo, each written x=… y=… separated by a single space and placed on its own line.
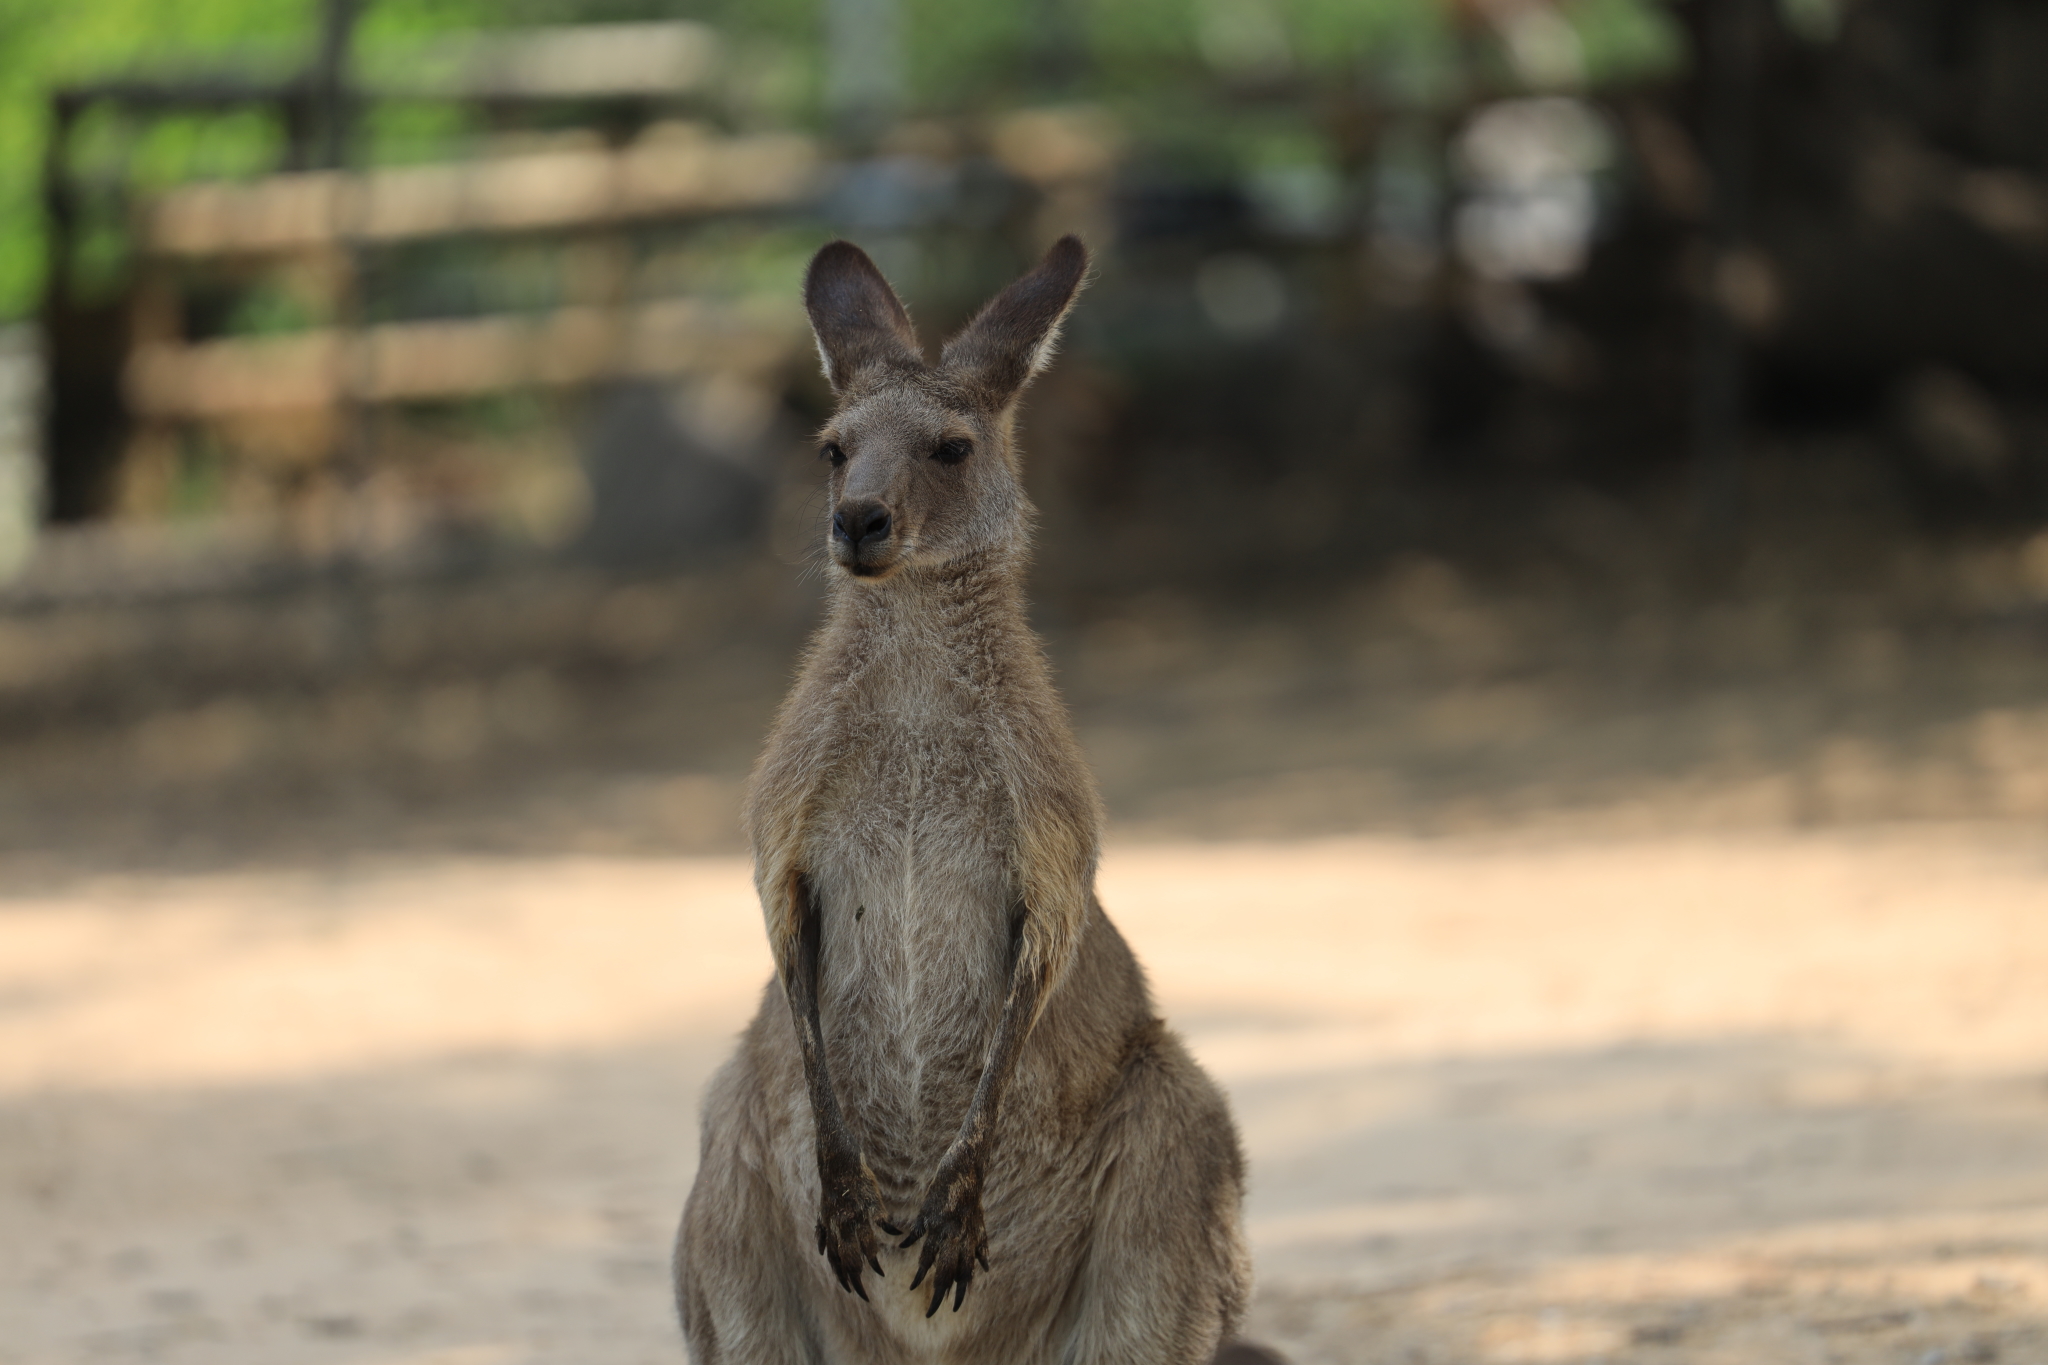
x=1591 y=451
x=405 y=398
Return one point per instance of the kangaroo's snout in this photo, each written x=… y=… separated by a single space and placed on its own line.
x=861 y=533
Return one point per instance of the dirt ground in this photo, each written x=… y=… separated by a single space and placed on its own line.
x=1506 y=1099
x=1595 y=978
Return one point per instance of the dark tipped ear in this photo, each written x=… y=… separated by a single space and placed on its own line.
x=859 y=322
x=1011 y=339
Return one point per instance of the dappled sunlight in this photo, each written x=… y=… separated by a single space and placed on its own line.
x=236 y=978
x=1505 y=1099
x=1943 y=1290
x=1421 y=947
x=1359 y=1222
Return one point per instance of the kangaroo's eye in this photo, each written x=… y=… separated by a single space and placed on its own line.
x=834 y=453
x=953 y=450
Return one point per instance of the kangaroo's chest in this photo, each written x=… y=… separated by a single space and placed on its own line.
x=908 y=853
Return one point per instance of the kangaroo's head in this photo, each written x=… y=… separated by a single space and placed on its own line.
x=924 y=470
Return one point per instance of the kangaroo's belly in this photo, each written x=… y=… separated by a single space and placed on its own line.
x=909 y=858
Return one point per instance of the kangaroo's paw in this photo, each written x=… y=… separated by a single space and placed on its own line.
x=850 y=1211
x=950 y=1226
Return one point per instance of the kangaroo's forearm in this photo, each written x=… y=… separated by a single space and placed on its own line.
x=849 y=1207
x=951 y=1222
x=1020 y=1011
x=798 y=968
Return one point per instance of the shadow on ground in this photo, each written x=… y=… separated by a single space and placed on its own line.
x=1698 y=1202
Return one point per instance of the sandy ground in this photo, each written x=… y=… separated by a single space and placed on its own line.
x=1754 y=1097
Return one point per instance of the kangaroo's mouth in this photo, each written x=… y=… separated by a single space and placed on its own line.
x=872 y=572
x=872 y=563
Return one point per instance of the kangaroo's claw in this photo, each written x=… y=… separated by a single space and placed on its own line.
x=950 y=1226
x=850 y=1212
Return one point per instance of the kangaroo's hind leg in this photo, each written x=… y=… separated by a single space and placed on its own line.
x=739 y=1288
x=1166 y=1273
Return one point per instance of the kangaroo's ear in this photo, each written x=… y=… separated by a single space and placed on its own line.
x=1012 y=338
x=859 y=322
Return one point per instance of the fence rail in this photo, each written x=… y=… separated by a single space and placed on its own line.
x=674 y=171
x=398 y=362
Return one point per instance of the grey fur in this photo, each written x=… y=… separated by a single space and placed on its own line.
x=958 y=1045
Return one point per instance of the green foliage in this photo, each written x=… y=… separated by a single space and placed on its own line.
x=1157 y=60
x=1817 y=21
x=267 y=310
x=1626 y=40
x=42 y=45
x=1353 y=34
x=966 y=54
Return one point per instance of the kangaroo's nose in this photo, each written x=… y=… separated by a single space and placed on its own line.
x=861 y=525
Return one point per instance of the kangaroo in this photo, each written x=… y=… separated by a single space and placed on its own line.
x=958 y=1058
